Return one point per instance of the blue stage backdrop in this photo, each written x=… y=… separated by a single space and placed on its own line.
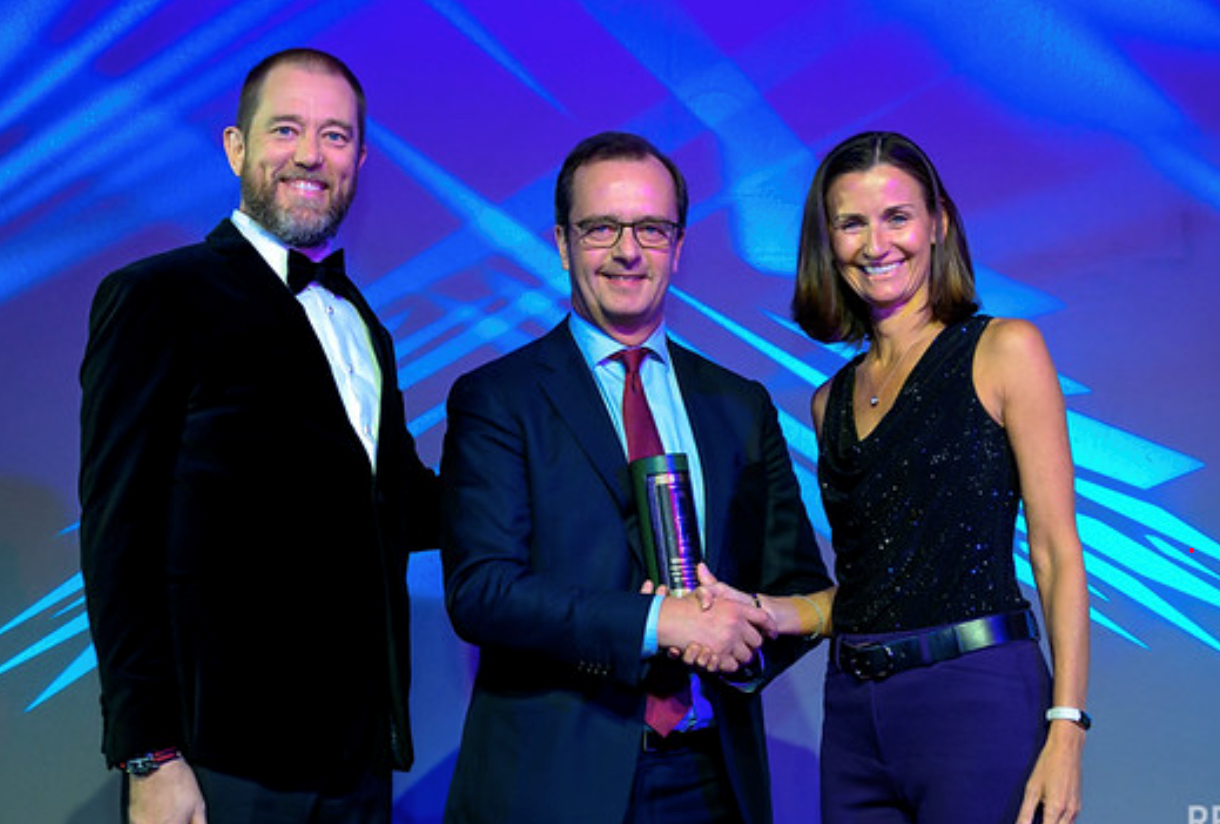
x=1080 y=138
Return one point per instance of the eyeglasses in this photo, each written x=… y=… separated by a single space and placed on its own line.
x=604 y=232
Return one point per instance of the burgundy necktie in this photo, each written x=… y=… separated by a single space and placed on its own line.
x=665 y=709
x=642 y=438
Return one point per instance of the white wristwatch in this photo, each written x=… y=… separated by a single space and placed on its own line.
x=1076 y=716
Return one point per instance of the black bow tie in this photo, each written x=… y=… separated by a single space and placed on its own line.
x=327 y=273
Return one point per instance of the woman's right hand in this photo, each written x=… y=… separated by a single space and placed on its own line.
x=807 y=615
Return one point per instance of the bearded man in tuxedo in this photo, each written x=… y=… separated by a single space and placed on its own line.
x=250 y=492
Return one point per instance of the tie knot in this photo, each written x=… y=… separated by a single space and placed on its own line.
x=327 y=272
x=631 y=358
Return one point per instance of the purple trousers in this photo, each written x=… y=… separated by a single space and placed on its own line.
x=951 y=743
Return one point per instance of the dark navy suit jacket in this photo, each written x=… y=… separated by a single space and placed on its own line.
x=543 y=567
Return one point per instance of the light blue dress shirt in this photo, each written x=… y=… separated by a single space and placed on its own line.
x=673 y=425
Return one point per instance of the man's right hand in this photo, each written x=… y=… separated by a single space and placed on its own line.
x=727 y=632
x=169 y=796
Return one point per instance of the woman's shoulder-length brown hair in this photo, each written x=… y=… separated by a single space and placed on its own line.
x=823 y=305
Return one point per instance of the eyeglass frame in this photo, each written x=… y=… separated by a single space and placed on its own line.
x=672 y=227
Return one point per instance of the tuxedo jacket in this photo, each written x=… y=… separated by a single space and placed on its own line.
x=244 y=566
x=543 y=565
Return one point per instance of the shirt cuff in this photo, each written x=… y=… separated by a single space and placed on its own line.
x=650 y=628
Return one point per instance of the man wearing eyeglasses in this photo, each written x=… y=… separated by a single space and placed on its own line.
x=576 y=714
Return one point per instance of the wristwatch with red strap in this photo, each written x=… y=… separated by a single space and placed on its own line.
x=147 y=764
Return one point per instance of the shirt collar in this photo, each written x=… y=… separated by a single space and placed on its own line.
x=597 y=347
x=269 y=247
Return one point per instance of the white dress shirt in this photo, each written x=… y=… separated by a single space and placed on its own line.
x=341 y=332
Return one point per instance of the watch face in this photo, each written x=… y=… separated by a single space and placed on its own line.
x=149 y=763
x=142 y=766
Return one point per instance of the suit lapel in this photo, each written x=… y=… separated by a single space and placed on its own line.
x=565 y=380
x=253 y=275
x=715 y=443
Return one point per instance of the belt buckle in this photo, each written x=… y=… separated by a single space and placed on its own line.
x=858 y=656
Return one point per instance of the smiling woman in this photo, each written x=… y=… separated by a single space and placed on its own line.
x=882 y=233
x=928 y=443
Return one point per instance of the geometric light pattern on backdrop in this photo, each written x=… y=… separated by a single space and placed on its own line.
x=1139 y=555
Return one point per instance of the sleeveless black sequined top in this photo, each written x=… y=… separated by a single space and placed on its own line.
x=923 y=510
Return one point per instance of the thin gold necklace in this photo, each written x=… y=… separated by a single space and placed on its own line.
x=874 y=397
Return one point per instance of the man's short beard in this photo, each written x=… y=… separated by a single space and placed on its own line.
x=308 y=232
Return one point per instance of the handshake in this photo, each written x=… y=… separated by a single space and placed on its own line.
x=708 y=624
x=715 y=628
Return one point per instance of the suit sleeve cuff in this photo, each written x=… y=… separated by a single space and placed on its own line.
x=749 y=678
